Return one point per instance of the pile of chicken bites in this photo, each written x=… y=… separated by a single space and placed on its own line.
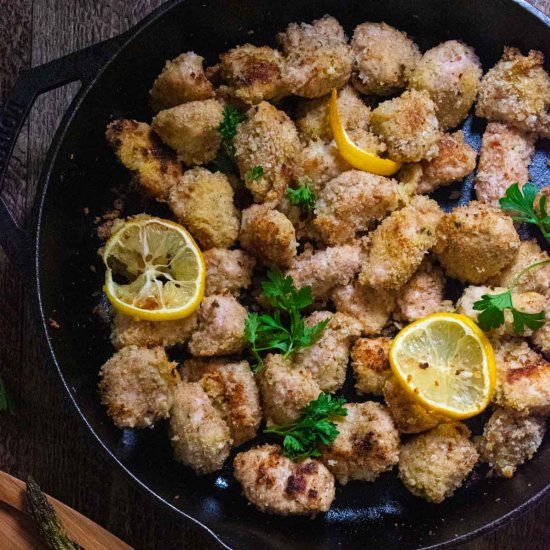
x=376 y=251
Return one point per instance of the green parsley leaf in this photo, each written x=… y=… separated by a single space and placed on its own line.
x=314 y=427
x=6 y=401
x=531 y=320
x=254 y=173
x=302 y=196
x=225 y=160
x=521 y=203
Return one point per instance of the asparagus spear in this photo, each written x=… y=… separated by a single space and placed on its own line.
x=51 y=529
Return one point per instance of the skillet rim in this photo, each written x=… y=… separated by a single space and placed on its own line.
x=35 y=236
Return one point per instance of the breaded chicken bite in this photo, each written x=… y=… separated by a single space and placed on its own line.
x=233 y=392
x=400 y=243
x=325 y=269
x=371 y=307
x=408 y=126
x=504 y=159
x=300 y=219
x=509 y=440
x=410 y=417
x=221 y=327
x=192 y=130
x=268 y=139
x=450 y=73
x=181 y=80
x=422 y=294
x=367 y=444
x=276 y=485
x=351 y=203
x=313 y=120
x=383 y=58
x=434 y=464
x=454 y=162
x=371 y=364
x=285 y=389
x=252 y=74
x=541 y=337
x=127 y=331
x=203 y=202
x=523 y=378
x=136 y=385
x=476 y=242
x=227 y=271
x=140 y=150
x=516 y=91
x=317 y=57
x=327 y=359
x=199 y=435
x=268 y=235
x=534 y=280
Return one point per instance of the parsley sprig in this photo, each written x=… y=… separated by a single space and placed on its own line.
x=302 y=196
x=225 y=161
x=315 y=427
x=283 y=330
x=521 y=202
x=256 y=172
x=493 y=306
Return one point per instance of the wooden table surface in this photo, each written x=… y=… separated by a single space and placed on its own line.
x=45 y=438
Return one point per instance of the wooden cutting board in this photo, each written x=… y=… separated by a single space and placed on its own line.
x=19 y=528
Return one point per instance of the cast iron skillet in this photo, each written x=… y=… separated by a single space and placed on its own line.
x=56 y=251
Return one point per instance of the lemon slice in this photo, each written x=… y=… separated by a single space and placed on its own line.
x=155 y=270
x=446 y=363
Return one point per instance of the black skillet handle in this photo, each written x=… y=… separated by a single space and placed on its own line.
x=82 y=65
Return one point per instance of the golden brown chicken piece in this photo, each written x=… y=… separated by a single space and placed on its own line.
x=276 y=485
x=371 y=364
x=181 y=80
x=192 y=130
x=450 y=73
x=267 y=139
x=140 y=150
x=227 y=271
x=383 y=58
x=516 y=91
x=317 y=57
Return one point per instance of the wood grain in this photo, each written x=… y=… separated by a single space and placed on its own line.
x=45 y=439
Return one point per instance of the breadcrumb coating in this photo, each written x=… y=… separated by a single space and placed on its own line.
x=434 y=464
x=232 y=390
x=199 y=435
x=523 y=378
x=268 y=235
x=476 y=242
x=509 y=440
x=367 y=444
x=227 y=271
x=192 y=130
x=410 y=417
x=276 y=485
x=504 y=159
x=317 y=57
x=450 y=73
x=371 y=364
x=325 y=269
x=422 y=294
x=253 y=73
x=320 y=162
x=285 y=389
x=221 y=327
x=127 y=331
x=516 y=91
x=400 y=243
x=351 y=203
x=383 y=58
x=202 y=201
x=136 y=385
x=454 y=162
x=541 y=337
x=140 y=150
x=408 y=126
x=300 y=219
x=268 y=139
x=327 y=359
x=181 y=80
x=371 y=307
